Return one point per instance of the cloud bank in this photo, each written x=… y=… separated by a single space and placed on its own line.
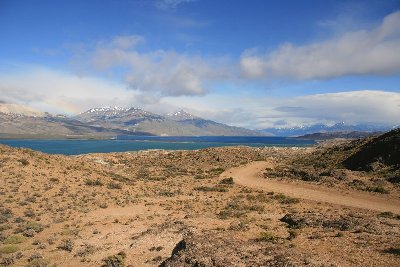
x=375 y=52
x=353 y=107
x=61 y=92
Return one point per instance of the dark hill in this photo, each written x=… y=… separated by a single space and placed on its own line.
x=377 y=156
x=381 y=151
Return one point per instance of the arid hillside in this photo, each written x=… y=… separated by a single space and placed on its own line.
x=179 y=208
x=368 y=164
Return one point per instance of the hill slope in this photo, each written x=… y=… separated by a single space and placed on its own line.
x=21 y=126
x=369 y=164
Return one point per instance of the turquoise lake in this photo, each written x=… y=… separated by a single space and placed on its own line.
x=136 y=143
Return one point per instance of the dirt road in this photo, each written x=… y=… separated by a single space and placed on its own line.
x=251 y=175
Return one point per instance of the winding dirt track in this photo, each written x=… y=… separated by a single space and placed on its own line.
x=251 y=175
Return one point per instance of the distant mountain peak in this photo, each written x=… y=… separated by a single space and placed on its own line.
x=181 y=115
x=107 y=109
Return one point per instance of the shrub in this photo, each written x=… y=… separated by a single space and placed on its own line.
x=200 y=176
x=388 y=214
x=267 y=237
x=66 y=245
x=24 y=162
x=395 y=251
x=30 y=228
x=211 y=189
x=293 y=233
x=114 y=185
x=377 y=189
x=5 y=214
x=216 y=171
x=92 y=182
x=117 y=260
x=281 y=198
x=227 y=181
x=7 y=261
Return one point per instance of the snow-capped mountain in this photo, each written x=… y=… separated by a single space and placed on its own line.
x=107 y=113
x=323 y=128
x=176 y=123
x=181 y=115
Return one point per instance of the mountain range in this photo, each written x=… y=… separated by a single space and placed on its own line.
x=19 y=121
x=106 y=122
x=324 y=128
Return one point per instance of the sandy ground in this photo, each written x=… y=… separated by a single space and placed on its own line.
x=251 y=175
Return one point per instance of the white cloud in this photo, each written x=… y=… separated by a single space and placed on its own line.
x=368 y=106
x=160 y=73
x=127 y=41
x=375 y=52
x=170 y=4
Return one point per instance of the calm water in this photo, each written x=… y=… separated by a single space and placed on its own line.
x=125 y=143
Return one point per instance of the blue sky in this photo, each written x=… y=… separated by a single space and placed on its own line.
x=237 y=62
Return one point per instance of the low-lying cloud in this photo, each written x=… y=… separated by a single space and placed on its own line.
x=353 y=107
x=61 y=92
x=375 y=52
x=366 y=106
